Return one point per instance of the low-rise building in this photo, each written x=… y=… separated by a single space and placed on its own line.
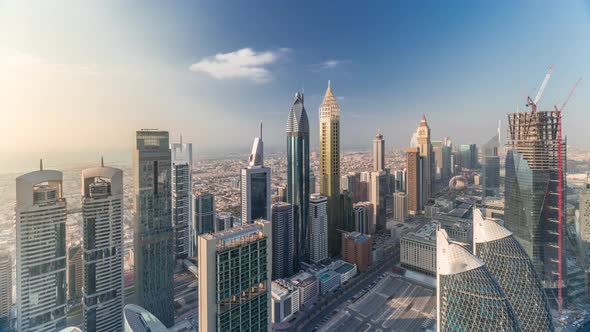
x=308 y=285
x=329 y=280
x=347 y=271
x=418 y=250
x=284 y=300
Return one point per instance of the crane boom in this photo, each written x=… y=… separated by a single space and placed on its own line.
x=569 y=96
x=543 y=85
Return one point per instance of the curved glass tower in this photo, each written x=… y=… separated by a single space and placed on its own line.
x=298 y=177
x=513 y=269
x=468 y=297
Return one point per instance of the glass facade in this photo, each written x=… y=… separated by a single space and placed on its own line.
x=513 y=269
x=473 y=301
x=153 y=232
x=298 y=178
x=259 y=195
x=242 y=298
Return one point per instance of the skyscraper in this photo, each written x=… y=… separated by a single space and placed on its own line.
x=400 y=206
x=5 y=289
x=330 y=164
x=75 y=275
x=363 y=217
x=427 y=156
x=102 y=219
x=153 y=238
x=469 y=156
x=413 y=186
x=203 y=212
x=283 y=243
x=534 y=204
x=184 y=235
x=468 y=297
x=235 y=278
x=319 y=227
x=510 y=265
x=378 y=195
x=40 y=251
x=437 y=152
x=378 y=153
x=256 y=193
x=298 y=172
x=584 y=221
x=490 y=166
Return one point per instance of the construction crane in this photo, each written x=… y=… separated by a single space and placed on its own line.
x=533 y=103
x=560 y=192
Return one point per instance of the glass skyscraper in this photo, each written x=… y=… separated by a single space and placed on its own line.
x=153 y=238
x=255 y=183
x=102 y=214
x=203 y=213
x=511 y=266
x=235 y=277
x=282 y=240
x=468 y=297
x=298 y=181
x=182 y=159
x=534 y=207
x=40 y=251
x=490 y=166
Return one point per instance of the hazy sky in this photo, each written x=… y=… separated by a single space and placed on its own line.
x=77 y=78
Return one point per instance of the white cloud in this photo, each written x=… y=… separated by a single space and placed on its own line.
x=330 y=63
x=244 y=63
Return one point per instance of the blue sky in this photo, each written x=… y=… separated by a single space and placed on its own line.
x=95 y=71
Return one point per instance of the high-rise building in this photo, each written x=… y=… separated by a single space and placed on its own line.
x=469 y=156
x=437 y=152
x=378 y=197
x=223 y=221
x=235 y=278
x=256 y=193
x=400 y=180
x=40 y=251
x=351 y=183
x=318 y=219
x=75 y=275
x=490 y=167
x=378 y=153
x=102 y=223
x=312 y=183
x=330 y=165
x=535 y=208
x=413 y=176
x=427 y=156
x=357 y=249
x=510 y=265
x=400 y=206
x=447 y=152
x=182 y=184
x=203 y=212
x=283 y=243
x=584 y=221
x=298 y=171
x=468 y=297
x=153 y=239
x=363 y=217
x=5 y=289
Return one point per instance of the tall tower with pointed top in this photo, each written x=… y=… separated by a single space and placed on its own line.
x=330 y=163
x=184 y=232
x=256 y=198
x=298 y=174
x=425 y=145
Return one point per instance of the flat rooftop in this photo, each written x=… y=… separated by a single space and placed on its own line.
x=344 y=268
x=394 y=304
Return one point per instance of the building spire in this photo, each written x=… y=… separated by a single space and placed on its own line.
x=101 y=161
x=260 y=130
x=40 y=164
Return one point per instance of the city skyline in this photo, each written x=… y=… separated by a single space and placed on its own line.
x=424 y=70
